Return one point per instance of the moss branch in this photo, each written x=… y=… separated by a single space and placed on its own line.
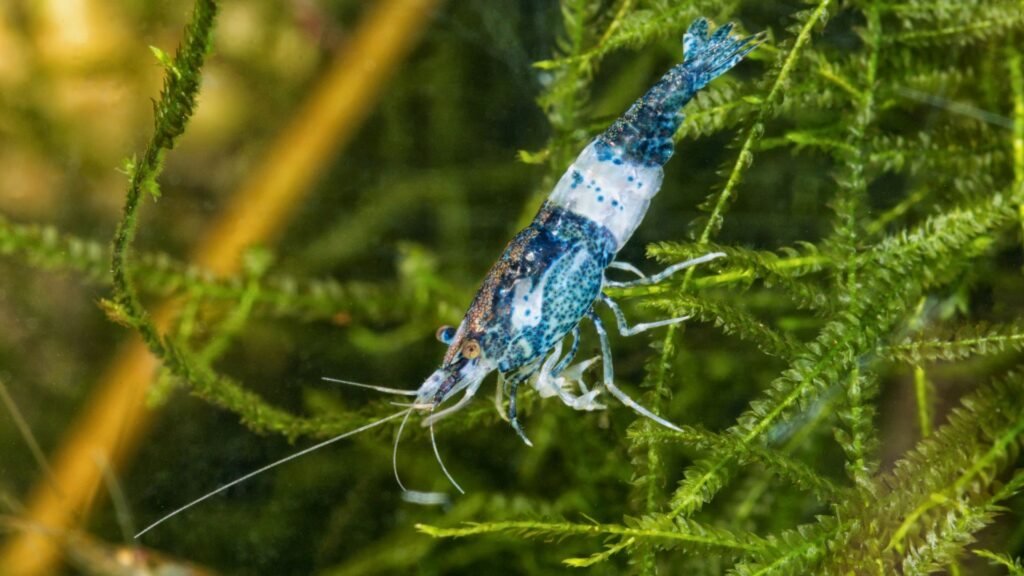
x=858 y=439
x=1013 y=566
x=171 y=113
x=686 y=533
x=743 y=161
x=796 y=472
x=156 y=273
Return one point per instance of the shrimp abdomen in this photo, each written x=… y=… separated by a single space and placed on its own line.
x=614 y=179
x=644 y=134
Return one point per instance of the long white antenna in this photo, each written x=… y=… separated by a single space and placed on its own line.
x=394 y=451
x=441 y=462
x=272 y=465
x=383 y=389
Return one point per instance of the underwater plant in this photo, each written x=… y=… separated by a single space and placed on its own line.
x=847 y=395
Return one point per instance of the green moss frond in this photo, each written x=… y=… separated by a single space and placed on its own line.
x=959 y=344
x=961 y=24
x=1013 y=566
x=796 y=551
x=637 y=28
x=797 y=473
x=742 y=266
x=159 y=274
x=731 y=320
x=662 y=533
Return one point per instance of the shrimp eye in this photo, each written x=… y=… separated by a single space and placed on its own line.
x=471 y=349
x=445 y=334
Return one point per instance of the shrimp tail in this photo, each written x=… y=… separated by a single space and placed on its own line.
x=644 y=134
x=708 y=57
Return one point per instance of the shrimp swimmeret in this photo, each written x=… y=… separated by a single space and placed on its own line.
x=553 y=272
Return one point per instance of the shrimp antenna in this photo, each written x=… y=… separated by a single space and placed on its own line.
x=274 y=464
x=394 y=452
x=437 y=454
x=383 y=389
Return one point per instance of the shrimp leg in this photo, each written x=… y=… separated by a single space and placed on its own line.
x=546 y=380
x=609 y=377
x=648 y=280
x=627 y=267
x=572 y=352
x=512 y=387
x=558 y=381
x=627 y=330
x=499 y=398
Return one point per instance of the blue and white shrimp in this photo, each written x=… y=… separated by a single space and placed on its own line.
x=553 y=272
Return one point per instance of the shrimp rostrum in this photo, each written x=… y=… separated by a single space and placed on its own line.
x=553 y=273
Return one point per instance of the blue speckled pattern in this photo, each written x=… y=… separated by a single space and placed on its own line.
x=644 y=133
x=560 y=256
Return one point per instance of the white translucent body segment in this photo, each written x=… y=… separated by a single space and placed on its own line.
x=610 y=191
x=527 y=303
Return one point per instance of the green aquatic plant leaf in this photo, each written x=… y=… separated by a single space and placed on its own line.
x=1013 y=566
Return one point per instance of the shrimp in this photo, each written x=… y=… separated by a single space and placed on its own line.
x=553 y=272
